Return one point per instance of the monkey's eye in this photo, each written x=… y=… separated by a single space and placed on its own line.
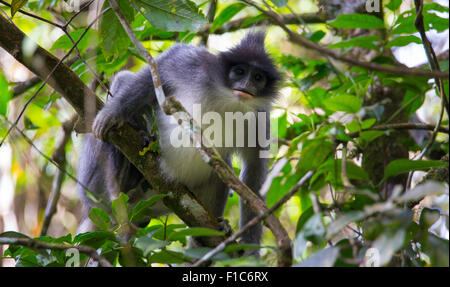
x=258 y=77
x=239 y=71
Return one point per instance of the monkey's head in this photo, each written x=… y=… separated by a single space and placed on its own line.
x=250 y=72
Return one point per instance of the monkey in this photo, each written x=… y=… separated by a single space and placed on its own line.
x=243 y=79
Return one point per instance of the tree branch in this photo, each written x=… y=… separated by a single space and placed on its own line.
x=429 y=51
x=59 y=156
x=402 y=126
x=254 y=221
x=69 y=85
x=22 y=87
x=172 y=107
x=234 y=25
x=296 y=38
x=33 y=243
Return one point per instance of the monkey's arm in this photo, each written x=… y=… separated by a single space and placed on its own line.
x=132 y=94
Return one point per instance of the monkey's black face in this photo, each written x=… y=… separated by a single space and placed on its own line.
x=247 y=81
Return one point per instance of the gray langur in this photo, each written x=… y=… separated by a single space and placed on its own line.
x=243 y=79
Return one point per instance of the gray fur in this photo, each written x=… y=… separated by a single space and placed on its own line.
x=192 y=75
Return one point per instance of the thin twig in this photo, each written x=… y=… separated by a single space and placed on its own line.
x=396 y=126
x=64 y=28
x=210 y=155
x=345 y=181
x=429 y=51
x=210 y=16
x=22 y=87
x=33 y=16
x=33 y=243
x=254 y=221
x=434 y=64
x=59 y=156
x=403 y=126
x=49 y=76
x=296 y=38
x=48 y=158
x=85 y=6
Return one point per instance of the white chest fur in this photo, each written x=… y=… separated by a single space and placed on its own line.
x=183 y=163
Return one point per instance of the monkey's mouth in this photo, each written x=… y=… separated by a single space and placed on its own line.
x=242 y=93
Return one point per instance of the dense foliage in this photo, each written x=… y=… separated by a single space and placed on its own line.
x=379 y=190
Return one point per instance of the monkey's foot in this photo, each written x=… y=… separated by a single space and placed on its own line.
x=104 y=121
x=224 y=225
x=147 y=139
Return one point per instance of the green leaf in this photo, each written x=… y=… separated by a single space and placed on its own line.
x=436 y=248
x=127 y=10
x=424 y=189
x=344 y=103
x=316 y=36
x=280 y=186
x=366 y=124
x=168 y=257
x=100 y=218
x=304 y=218
x=412 y=102
x=120 y=207
x=115 y=40
x=343 y=221
x=147 y=244
x=435 y=7
x=252 y=20
x=225 y=15
x=428 y=217
x=16 y=5
x=197 y=253
x=366 y=42
x=243 y=247
x=5 y=95
x=405 y=22
x=354 y=21
x=400 y=166
x=394 y=5
x=88 y=40
x=282 y=126
x=248 y=261
x=42 y=118
x=13 y=234
x=194 y=231
x=279 y=3
x=314 y=154
x=323 y=258
x=353 y=126
x=142 y=209
x=87 y=236
x=313 y=231
x=332 y=168
x=164 y=232
x=174 y=16
x=402 y=41
x=94 y=239
x=388 y=243
x=368 y=136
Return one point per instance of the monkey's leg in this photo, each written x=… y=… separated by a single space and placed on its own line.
x=213 y=194
x=253 y=174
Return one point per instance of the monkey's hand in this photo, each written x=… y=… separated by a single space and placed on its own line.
x=224 y=225
x=105 y=120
